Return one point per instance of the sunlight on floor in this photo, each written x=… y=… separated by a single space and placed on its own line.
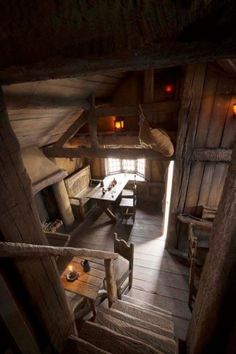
x=168 y=196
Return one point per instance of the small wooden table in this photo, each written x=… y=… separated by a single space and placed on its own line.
x=87 y=285
x=110 y=196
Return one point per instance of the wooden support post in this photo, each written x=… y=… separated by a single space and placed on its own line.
x=149 y=89
x=19 y=222
x=213 y=321
x=92 y=120
x=110 y=280
x=188 y=118
x=149 y=86
x=63 y=203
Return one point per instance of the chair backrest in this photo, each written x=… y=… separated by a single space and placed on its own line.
x=135 y=193
x=122 y=248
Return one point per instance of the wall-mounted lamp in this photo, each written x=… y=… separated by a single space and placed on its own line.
x=169 y=89
x=234 y=108
x=119 y=124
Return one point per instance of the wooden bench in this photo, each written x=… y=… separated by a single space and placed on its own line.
x=78 y=186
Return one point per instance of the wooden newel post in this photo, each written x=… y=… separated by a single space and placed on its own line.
x=110 y=280
x=19 y=222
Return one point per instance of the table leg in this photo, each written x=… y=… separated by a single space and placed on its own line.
x=93 y=308
x=110 y=214
x=104 y=206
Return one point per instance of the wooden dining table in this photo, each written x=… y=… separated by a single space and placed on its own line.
x=104 y=200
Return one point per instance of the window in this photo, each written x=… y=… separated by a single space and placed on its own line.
x=129 y=166
x=113 y=166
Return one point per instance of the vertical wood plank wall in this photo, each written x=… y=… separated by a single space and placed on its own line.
x=212 y=327
x=216 y=125
x=215 y=128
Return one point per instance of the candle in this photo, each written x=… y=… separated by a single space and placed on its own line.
x=72 y=274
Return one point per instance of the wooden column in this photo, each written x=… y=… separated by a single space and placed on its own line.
x=149 y=85
x=19 y=222
x=148 y=94
x=213 y=318
x=63 y=203
x=188 y=119
x=16 y=322
x=92 y=121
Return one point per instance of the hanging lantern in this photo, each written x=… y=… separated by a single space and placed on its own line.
x=234 y=108
x=119 y=124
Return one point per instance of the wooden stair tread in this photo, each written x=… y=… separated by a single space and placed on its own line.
x=138 y=322
x=112 y=341
x=124 y=327
x=157 y=318
x=75 y=345
x=145 y=305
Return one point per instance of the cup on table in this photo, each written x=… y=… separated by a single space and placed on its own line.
x=86 y=266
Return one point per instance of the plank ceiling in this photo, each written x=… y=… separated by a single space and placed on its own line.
x=57 y=39
x=40 y=112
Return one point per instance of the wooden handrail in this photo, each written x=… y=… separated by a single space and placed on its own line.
x=11 y=249
x=15 y=250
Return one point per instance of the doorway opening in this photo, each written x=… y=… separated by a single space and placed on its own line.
x=170 y=172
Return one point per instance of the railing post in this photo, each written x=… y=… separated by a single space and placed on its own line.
x=110 y=280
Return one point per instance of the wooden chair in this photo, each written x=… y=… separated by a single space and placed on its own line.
x=129 y=193
x=128 y=206
x=123 y=265
x=197 y=252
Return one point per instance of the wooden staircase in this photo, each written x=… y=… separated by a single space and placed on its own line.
x=129 y=327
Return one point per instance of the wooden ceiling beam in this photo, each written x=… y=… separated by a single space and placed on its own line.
x=106 y=140
x=19 y=101
x=166 y=55
x=79 y=123
x=124 y=153
x=163 y=106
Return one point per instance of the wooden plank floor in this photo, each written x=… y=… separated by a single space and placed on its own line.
x=159 y=278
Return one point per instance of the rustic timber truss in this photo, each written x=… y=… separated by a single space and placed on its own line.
x=91 y=116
